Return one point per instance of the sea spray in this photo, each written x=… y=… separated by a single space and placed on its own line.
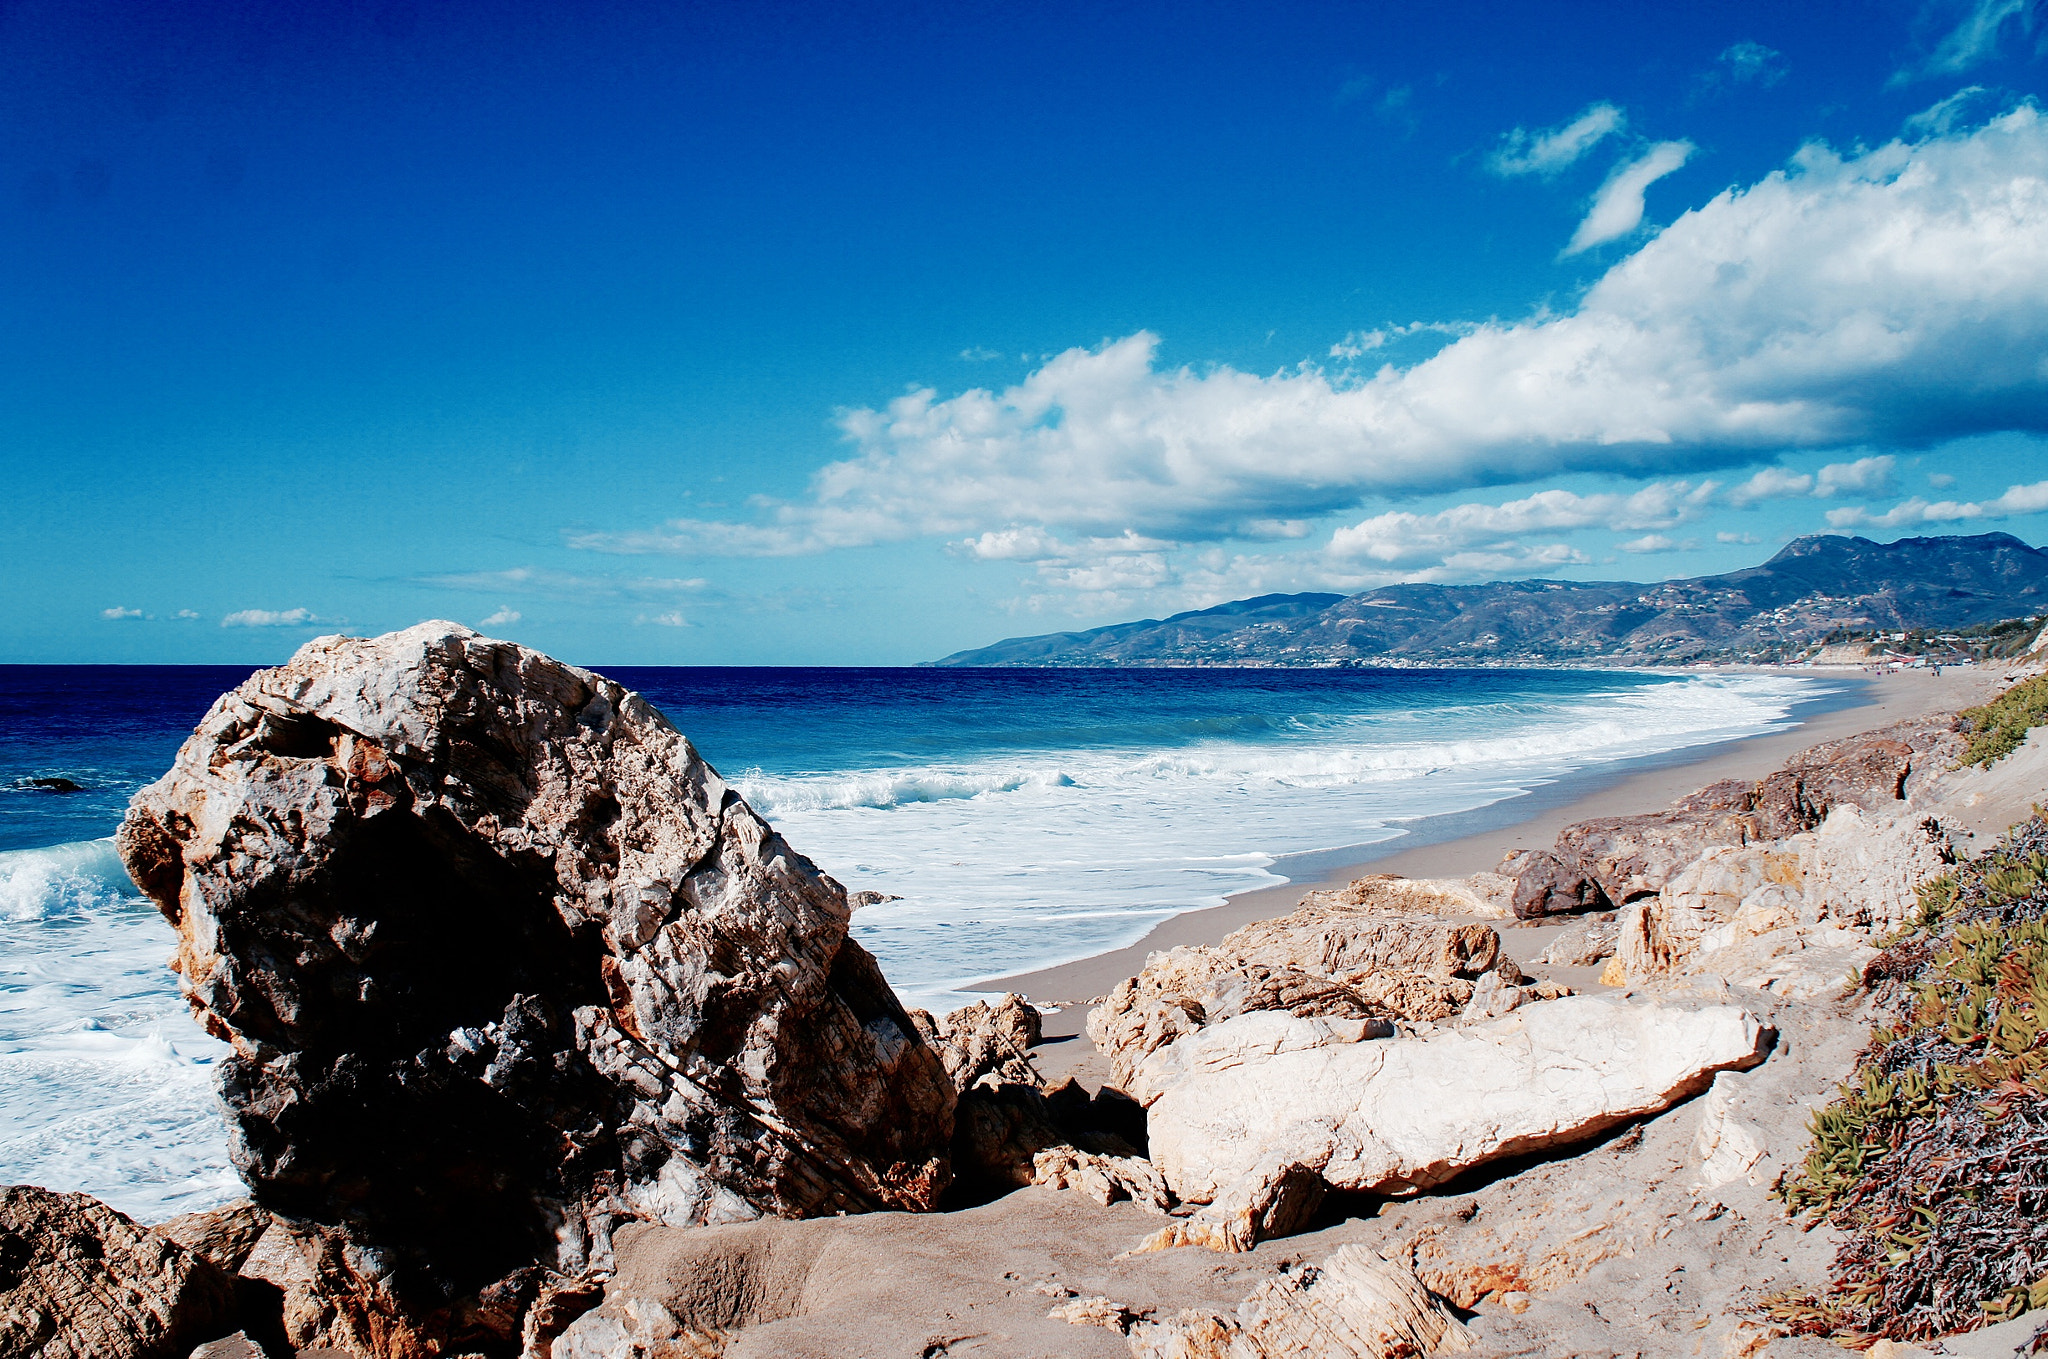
x=106 y=1083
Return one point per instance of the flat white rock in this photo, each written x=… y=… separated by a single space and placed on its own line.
x=1408 y=1114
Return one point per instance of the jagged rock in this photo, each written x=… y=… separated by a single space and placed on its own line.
x=1742 y=913
x=236 y=1346
x=81 y=1281
x=1355 y=1305
x=1619 y=860
x=1278 y=1197
x=999 y=1128
x=1585 y=944
x=1346 y=962
x=505 y=964
x=1728 y=893
x=1551 y=884
x=1340 y=941
x=1729 y=1146
x=980 y=1039
x=1863 y=869
x=1495 y=994
x=1872 y=771
x=1483 y=894
x=1401 y=1116
x=1107 y=1178
x=1011 y=1135
x=1098 y=1311
x=222 y=1235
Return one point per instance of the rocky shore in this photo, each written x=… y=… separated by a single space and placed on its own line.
x=545 y=1044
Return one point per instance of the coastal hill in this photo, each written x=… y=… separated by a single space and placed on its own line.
x=1817 y=588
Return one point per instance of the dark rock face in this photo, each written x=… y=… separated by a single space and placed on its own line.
x=81 y=1281
x=1615 y=860
x=505 y=964
x=1555 y=884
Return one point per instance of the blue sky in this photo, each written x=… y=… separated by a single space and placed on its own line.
x=857 y=334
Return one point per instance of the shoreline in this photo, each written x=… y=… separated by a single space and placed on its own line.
x=1460 y=843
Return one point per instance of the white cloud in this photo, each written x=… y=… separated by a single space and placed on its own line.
x=1753 y=63
x=186 y=614
x=500 y=619
x=1940 y=119
x=1939 y=479
x=272 y=618
x=1870 y=476
x=1745 y=539
x=117 y=614
x=1898 y=296
x=977 y=354
x=1656 y=542
x=1973 y=41
x=2017 y=500
x=1867 y=476
x=1024 y=544
x=1359 y=343
x=1399 y=537
x=673 y=618
x=1772 y=483
x=1618 y=206
x=1549 y=150
x=565 y=585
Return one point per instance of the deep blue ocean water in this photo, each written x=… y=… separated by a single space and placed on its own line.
x=1020 y=817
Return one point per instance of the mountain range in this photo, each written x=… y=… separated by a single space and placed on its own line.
x=1817 y=588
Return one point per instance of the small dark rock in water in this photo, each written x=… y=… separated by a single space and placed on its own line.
x=52 y=785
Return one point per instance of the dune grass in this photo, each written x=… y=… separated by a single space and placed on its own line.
x=2000 y=727
x=1933 y=1159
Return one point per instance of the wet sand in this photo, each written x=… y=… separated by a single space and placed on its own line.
x=1471 y=842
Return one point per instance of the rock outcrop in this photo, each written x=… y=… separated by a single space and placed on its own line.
x=982 y=1039
x=1613 y=861
x=1350 y=966
x=504 y=965
x=81 y=1281
x=1796 y=916
x=1485 y=895
x=1357 y=1304
x=1407 y=1115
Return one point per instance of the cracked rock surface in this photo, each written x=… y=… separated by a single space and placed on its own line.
x=506 y=965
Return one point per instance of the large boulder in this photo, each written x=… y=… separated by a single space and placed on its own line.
x=1792 y=916
x=505 y=964
x=1410 y=1114
x=1619 y=860
x=1349 y=962
x=79 y=1280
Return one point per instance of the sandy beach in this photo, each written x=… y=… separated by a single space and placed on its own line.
x=1441 y=847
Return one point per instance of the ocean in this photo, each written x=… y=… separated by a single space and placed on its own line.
x=1017 y=817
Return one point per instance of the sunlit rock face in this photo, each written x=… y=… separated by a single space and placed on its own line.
x=505 y=964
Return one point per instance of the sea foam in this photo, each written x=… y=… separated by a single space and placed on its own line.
x=106 y=1082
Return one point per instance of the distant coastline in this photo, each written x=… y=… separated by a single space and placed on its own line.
x=1818 y=592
